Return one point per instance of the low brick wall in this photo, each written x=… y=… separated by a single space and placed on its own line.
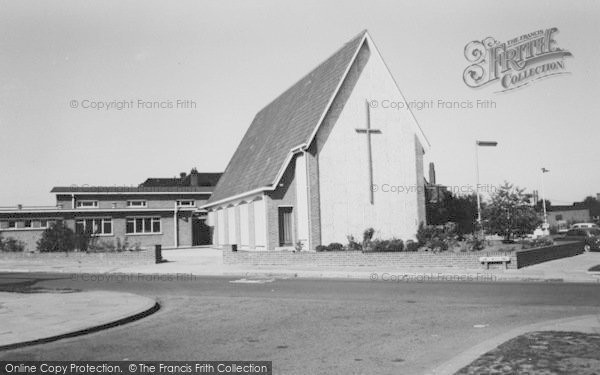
x=124 y=258
x=358 y=259
x=518 y=259
x=543 y=254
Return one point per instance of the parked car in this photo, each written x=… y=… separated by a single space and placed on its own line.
x=584 y=225
x=589 y=236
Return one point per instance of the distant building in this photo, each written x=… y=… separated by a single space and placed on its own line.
x=561 y=217
x=160 y=211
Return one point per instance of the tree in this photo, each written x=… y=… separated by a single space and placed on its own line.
x=509 y=212
x=458 y=209
x=462 y=210
x=57 y=238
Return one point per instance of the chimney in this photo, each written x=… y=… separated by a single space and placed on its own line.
x=432 y=173
x=194 y=180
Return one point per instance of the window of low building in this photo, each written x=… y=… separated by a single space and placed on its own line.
x=135 y=225
x=87 y=204
x=24 y=224
x=186 y=203
x=136 y=203
x=101 y=226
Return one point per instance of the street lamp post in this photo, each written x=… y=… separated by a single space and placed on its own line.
x=477 y=145
x=544 y=170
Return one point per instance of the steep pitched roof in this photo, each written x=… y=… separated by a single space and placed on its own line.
x=285 y=123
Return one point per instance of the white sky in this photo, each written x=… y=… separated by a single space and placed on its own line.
x=234 y=57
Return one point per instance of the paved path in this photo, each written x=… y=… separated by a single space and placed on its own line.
x=30 y=317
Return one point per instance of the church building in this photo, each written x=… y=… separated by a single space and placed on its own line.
x=326 y=159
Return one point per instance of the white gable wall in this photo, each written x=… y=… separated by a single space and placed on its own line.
x=302 y=200
x=221 y=227
x=343 y=164
x=231 y=225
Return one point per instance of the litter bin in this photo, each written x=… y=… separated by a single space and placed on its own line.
x=158 y=254
x=234 y=247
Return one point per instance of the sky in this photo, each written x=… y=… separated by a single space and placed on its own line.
x=228 y=59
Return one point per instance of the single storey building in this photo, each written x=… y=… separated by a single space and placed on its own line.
x=160 y=211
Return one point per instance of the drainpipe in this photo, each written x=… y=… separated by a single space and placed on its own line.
x=176 y=230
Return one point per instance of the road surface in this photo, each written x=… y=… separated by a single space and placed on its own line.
x=307 y=326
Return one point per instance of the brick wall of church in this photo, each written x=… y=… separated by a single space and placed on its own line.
x=284 y=195
x=314 y=212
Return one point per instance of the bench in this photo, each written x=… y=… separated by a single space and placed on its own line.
x=495 y=259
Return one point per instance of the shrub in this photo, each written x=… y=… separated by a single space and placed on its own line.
x=437 y=238
x=335 y=246
x=425 y=233
x=437 y=245
x=352 y=244
x=83 y=241
x=411 y=245
x=56 y=238
x=11 y=245
x=544 y=241
x=396 y=244
x=475 y=243
x=367 y=237
x=538 y=242
x=378 y=246
x=392 y=245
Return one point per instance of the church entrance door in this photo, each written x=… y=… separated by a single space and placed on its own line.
x=285 y=226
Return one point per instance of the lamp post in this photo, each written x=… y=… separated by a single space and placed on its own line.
x=477 y=145
x=544 y=170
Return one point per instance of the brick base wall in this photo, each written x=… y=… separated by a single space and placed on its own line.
x=356 y=259
x=518 y=259
x=125 y=258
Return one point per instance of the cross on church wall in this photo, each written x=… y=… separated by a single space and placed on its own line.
x=368 y=131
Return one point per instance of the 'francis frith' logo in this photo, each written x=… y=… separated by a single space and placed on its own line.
x=516 y=62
